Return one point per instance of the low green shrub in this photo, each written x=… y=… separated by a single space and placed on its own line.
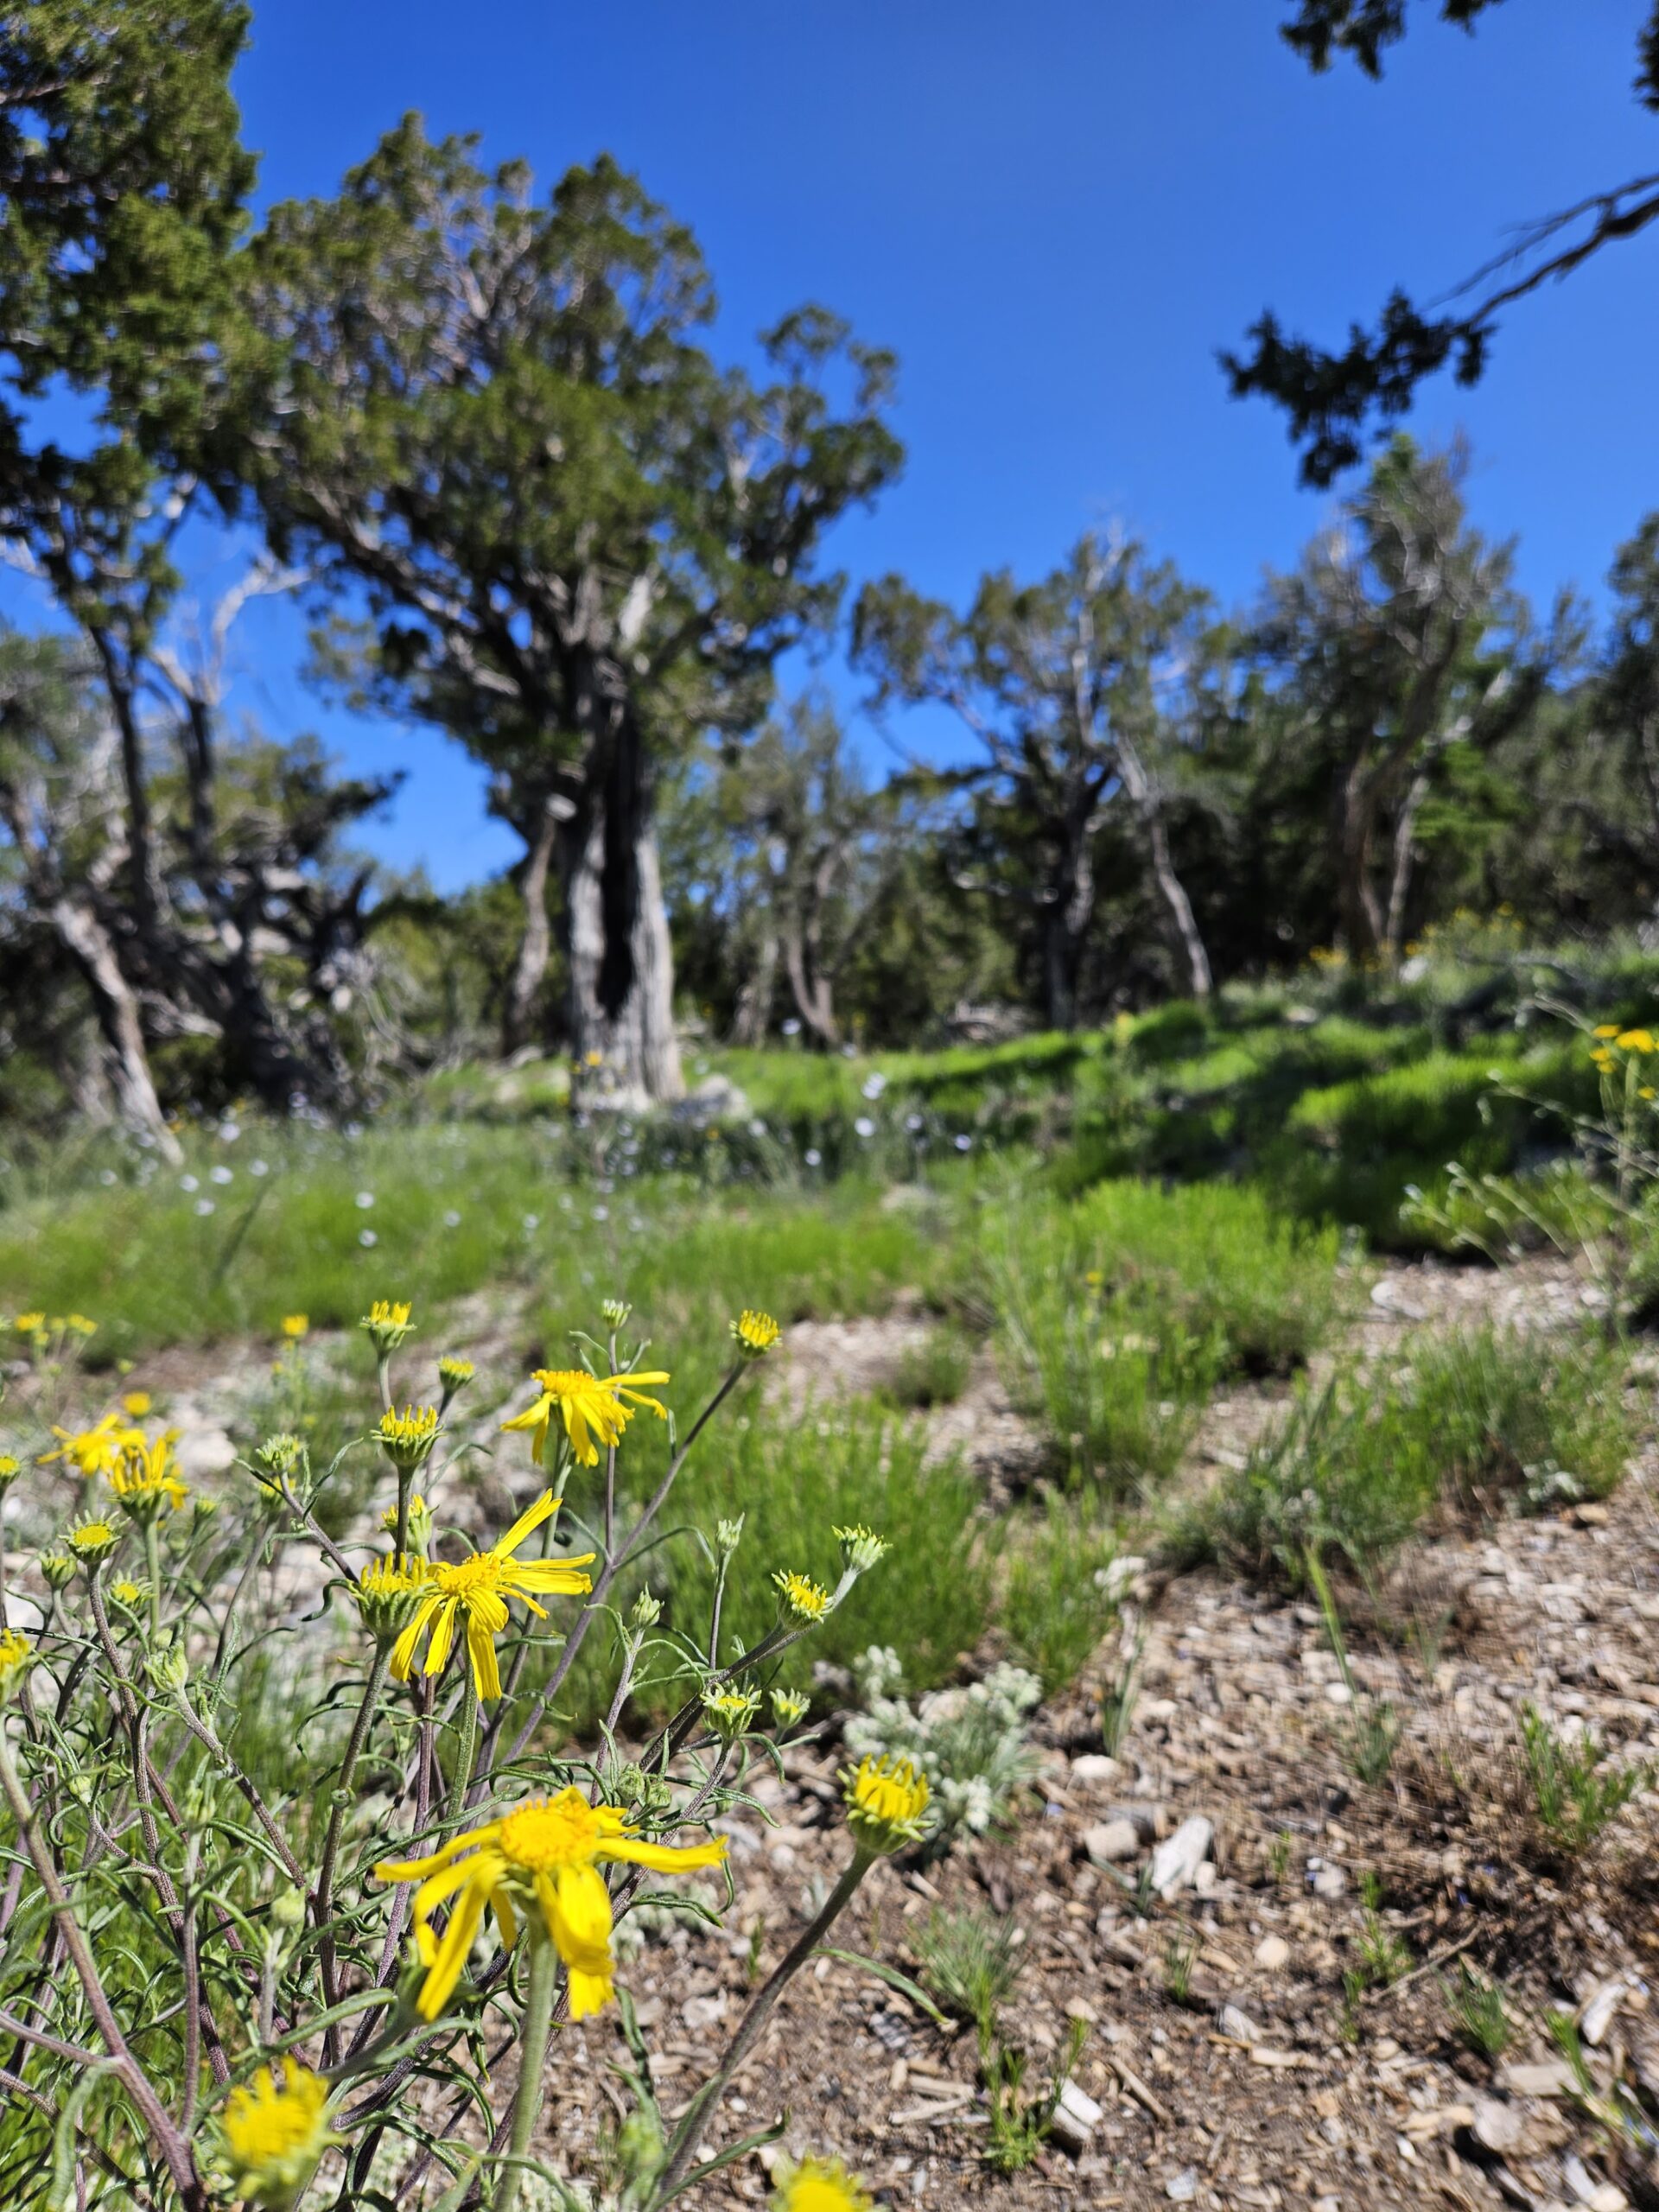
x=1575 y=1794
x=1058 y=1602
x=1482 y=1423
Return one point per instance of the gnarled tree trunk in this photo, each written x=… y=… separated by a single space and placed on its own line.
x=530 y=967
x=117 y=1011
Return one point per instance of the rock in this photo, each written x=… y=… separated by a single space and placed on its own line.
x=1325 y=1880
x=1553 y=2077
x=203 y=1451
x=1175 y=1862
x=1239 y=2026
x=1598 y=2014
x=1182 y=2187
x=1094 y=1769
x=1497 y=2124
x=1108 y=1841
x=1273 y=1954
x=1119 y=1576
x=1584 y=2189
x=1205 y=1879
x=1075 y=2117
x=715 y=1098
x=703 y=2011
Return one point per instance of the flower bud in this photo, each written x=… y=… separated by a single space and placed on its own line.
x=279 y=1455
x=804 y=1599
x=419 y=1518
x=648 y=1610
x=407 y=1438
x=754 y=1333
x=615 y=1311
x=728 y=1535
x=387 y=1592
x=861 y=1548
x=455 y=1374
x=9 y=1471
x=729 y=1712
x=789 y=1708
x=168 y=1667
x=93 y=1541
x=387 y=1324
x=57 y=1570
x=886 y=1802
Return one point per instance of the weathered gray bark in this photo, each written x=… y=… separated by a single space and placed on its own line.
x=1170 y=889
x=117 y=1010
x=753 y=1010
x=632 y=1034
x=529 y=969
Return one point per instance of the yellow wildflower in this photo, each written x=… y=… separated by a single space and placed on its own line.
x=91 y=1541
x=819 y=2185
x=97 y=1450
x=387 y=1592
x=1636 y=1040
x=591 y=1406
x=789 y=1706
x=79 y=1326
x=57 y=1570
x=455 y=1374
x=29 y=1324
x=408 y=1437
x=136 y=1404
x=417 y=1523
x=754 y=1333
x=543 y=1857
x=480 y=1587
x=1607 y=1029
x=387 y=1323
x=9 y=1471
x=886 y=1802
x=16 y=1655
x=806 y=1599
x=126 y=1592
x=145 y=1481
x=861 y=1548
x=296 y=1325
x=275 y=2134
x=729 y=1713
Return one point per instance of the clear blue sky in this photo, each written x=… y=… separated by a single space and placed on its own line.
x=1054 y=212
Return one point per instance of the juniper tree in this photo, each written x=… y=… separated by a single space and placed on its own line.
x=552 y=523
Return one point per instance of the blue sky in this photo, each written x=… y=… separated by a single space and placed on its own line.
x=1054 y=214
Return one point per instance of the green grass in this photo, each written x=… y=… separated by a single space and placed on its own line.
x=1055 y=1608
x=1479 y=1424
x=1576 y=1794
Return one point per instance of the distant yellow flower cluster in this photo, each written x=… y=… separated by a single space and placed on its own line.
x=1610 y=1041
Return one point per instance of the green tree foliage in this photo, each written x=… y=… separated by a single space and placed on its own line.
x=1332 y=396
x=1081 y=693
x=576 y=539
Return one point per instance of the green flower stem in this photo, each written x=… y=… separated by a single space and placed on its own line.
x=460 y=1781
x=680 y=2149
x=405 y=1485
x=614 y=1562
x=153 y=1561
x=323 y=1903
x=175 y=2152
x=541 y=1979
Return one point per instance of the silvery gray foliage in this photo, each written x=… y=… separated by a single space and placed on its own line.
x=971 y=1741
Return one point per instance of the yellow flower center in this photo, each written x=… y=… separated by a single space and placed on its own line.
x=468 y=1578
x=264 y=2124
x=542 y=1838
x=569 y=1382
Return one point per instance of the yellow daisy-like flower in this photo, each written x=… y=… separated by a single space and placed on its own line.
x=729 y=1713
x=9 y=1471
x=596 y=1408
x=29 y=1324
x=136 y=1404
x=1636 y=1040
x=1607 y=1029
x=480 y=1587
x=16 y=1654
x=145 y=1481
x=806 y=1599
x=408 y=1437
x=296 y=1325
x=79 y=1326
x=275 y=2133
x=97 y=1450
x=543 y=1856
x=91 y=1541
x=886 y=1802
x=387 y=1323
x=754 y=1333
x=819 y=2185
x=386 y=1592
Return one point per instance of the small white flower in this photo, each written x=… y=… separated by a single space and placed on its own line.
x=913 y=1122
x=258 y=1167
x=792 y=1027
x=205 y=1206
x=873 y=1085
x=602 y=1213
x=964 y=1144
x=188 y=1183
x=229 y=1131
x=366 y=1238
x=532 y=1222
x=221 y=1174
x=106 y=1175
x=364 y=1200
x=865 y=1126
x=452 y=1219
x=814 y=1158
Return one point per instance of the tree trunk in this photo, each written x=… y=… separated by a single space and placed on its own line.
x=530 y=967
x=752 y=1015
x=1405 y=831
x=1062 y=959
x=630 y=1032
x=1361 y=916
x=117 y=1010
x=1170 y=889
